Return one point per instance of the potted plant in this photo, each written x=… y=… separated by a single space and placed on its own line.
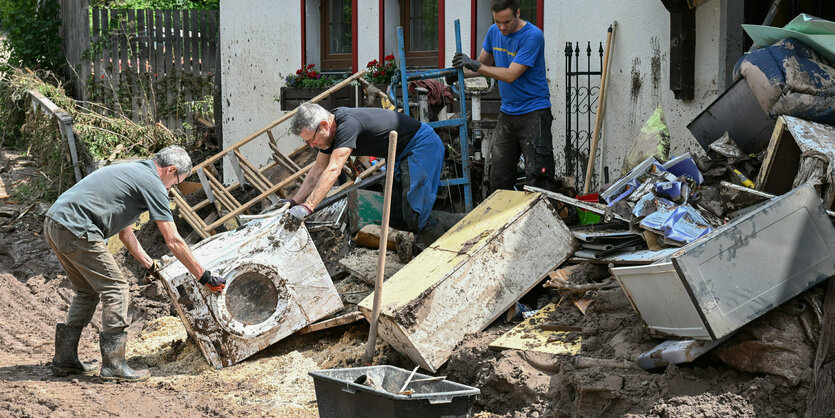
x=308 y=83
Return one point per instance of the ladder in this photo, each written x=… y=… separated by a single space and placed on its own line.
x=246 y=174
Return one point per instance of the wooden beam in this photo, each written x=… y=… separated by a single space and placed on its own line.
x=349 y=318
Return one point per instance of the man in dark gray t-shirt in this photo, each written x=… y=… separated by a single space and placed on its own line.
x=105 y=203
x=364 y=131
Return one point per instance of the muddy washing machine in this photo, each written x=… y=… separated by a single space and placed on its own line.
x=276 y=284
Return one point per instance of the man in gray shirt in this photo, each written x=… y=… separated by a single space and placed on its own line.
x=105 y=203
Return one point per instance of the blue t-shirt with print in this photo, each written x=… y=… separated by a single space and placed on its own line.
x=526 y=46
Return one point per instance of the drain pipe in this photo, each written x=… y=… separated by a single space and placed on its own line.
x=381 y=257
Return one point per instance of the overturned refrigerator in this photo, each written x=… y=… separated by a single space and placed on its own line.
x=276 y=284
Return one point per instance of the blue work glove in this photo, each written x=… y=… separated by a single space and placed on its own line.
x=214 y=283
x=300 y=211
x=462 y=60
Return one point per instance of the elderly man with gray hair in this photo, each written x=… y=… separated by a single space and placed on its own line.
x=107 y=202
x=364 y=131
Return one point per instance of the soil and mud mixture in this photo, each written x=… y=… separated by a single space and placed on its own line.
x=36 y=295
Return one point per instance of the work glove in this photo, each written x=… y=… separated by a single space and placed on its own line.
x=300 y=211
x=214 y=283
x=450 y=79
x=283 y=202
x=152 y=273
x=462 y=60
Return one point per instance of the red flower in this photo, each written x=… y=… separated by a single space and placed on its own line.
x=312 y=74
x=390 y=57
x=310 y=66
x=299 y=71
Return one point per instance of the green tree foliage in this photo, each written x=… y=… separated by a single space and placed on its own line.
x=32 y=37
x=156 y=4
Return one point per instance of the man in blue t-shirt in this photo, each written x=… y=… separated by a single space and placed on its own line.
x=513 y=53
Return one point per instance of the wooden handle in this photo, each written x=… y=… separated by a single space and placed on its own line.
x=598 y=119
x=381 y=257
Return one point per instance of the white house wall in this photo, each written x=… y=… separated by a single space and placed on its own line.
x=639 y=77
x=259 y=42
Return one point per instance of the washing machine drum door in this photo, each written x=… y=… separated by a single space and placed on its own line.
x=254 y=302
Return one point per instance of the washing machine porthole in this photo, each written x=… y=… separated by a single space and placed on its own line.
x=251 y=298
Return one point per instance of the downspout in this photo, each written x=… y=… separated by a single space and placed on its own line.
x=354 y=36
x=441 y=34
x=473 y=28
x=382 y=28
x=304 y=33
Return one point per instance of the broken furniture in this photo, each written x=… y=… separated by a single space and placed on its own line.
x=720 y=282
x=276 y=284
x=800 y=151
x=471 y=275
x=388 y=391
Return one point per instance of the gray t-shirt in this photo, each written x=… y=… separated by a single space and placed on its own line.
x=110 y=199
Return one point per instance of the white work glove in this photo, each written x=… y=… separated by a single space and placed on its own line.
x=300 y=211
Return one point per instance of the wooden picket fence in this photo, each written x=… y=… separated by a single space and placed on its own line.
x=152 y=65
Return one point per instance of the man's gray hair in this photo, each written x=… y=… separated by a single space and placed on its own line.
x=308 y=116
x=174 y=155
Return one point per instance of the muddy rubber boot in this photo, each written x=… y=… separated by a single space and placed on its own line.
x=66 y=362
x=114 y=368
x=429 y=235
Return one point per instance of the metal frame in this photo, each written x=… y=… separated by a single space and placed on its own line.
x=461 y=122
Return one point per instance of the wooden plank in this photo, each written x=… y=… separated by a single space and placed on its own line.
x=96 y=57
x=195 y=43
x=170 y=74
x=221 y=193
x=257 y=178
x=211 y=35
x=530 y=336
x=153 y=65
x=186 y=40
x=159 y=54
x=346 y=319
x=176 y=40
x=141 y=61
x=204 y=45
x=190 y=215
x=133 y=41
x=113 y=24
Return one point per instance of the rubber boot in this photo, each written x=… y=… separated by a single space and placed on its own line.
x=66 y=362
x=429 y=235
x=114 y=368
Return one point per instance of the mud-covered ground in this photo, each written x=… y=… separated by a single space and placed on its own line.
x=763 y=371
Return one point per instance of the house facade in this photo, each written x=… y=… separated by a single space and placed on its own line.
x=262 y=41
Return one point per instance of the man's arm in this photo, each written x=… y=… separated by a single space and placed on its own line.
x=328 y=176
x=134 y=247
x=312 y=177
x=178 y=247
x=508 y=75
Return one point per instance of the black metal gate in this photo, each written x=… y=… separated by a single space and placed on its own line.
x=582 y=89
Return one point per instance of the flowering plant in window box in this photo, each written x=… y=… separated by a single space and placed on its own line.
x=381 y=72
x=308 y=78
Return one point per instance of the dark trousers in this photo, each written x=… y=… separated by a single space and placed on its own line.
x=527 y=135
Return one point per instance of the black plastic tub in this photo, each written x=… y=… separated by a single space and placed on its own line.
x=337 y=394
